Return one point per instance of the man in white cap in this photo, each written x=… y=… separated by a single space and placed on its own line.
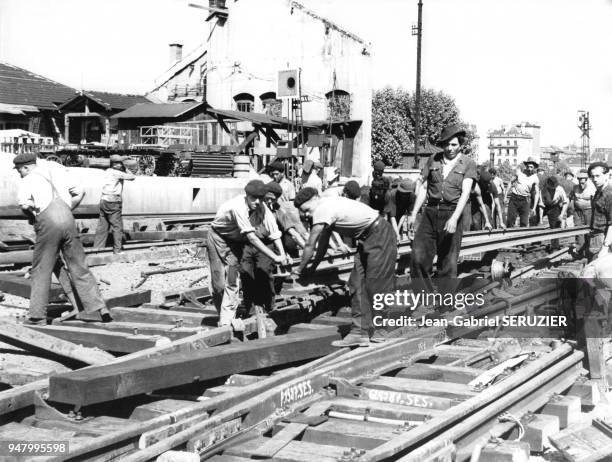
x=111 y=203
x=47 y=195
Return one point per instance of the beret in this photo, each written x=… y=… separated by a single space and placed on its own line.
x=304 y=195
x=24 y=159
x=379 y=165
x=552 y=182
x=274 y=188
x=276 y=166
x=352 y=189
x=599 y=164
x=255 y=188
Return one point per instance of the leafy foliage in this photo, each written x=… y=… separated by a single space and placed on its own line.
x=394 y=116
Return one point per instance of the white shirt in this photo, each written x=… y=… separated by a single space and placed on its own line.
x=35 y=190
x=234 y=220
x=348 y=217
x=113 y=183
x=522 y=186
x=314 y=182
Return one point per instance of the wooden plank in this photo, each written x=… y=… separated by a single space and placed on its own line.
x=165 y=330
x=129 y=299
x=21 y=287
x=347 y=433
x=438 y=372
x=120 y=342
x=156 y=316
x=46 y=345
x=425 y=387
x=197 y=293
x=105 y=383
x=295 y=451
x=583 y=443
x=383 y=410
x=273 y=445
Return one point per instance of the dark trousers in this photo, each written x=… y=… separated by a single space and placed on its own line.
x=473 y=219
x=374 y=272
x=582 y=217
x=256 y=276
x=518 y=206
x=431 y=240
x=553 y=213
x=110 y=217
x=56 y=232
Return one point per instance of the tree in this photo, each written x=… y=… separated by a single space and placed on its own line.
x=393 y=121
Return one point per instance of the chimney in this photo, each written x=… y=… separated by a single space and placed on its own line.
x=176 y=52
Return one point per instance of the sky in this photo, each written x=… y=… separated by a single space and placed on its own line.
x=504 y=61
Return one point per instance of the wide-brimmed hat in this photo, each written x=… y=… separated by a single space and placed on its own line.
x=531 y=160
x=450 y=132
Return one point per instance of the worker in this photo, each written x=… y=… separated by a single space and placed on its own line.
x=379 y=187
x=47 y=195
x=555 y=205
x=478 y=208
x=294 y=233
x=314 y=178
x=374 y=263
x=111 y=203
x=277 y=173
x=581 y=197
x=400 y=201
x=498 y=195
x=600 y=238
x=228 y=233
x=351 y=190
x=524 y=189
x=256 y=267
x=446 y=182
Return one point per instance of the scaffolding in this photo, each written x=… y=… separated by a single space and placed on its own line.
x=166 y=135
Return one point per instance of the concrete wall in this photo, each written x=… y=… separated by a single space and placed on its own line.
x=143 y=196
x=247 y=51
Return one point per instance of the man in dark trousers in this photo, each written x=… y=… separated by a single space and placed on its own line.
x=47 y=195
x=600 y=241
x=379 y=187
x=446 y=181
x=111 y=203
x=374 y=270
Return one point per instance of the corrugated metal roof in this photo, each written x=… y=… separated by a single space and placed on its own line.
x=156 y=111
x=19 y=86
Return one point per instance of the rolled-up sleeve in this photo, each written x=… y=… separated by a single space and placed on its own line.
x=271 y=225
x=241 y=217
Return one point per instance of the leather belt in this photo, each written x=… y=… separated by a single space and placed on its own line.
x=368 y=231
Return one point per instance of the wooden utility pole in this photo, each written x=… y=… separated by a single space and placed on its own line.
x=418 y=31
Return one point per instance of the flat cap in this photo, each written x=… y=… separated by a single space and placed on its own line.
x=304 y=195
x=318 y=165
x=24 y=159
x=598 y=164
x=274 y=188
x=276 y=166
x=116 y=158
x=352 y=190
x=583 y=174
x=569 y=172
x=406 y=186
x=379 y=165
x=255 y=188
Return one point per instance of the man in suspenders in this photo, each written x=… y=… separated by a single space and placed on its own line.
x=47 y=195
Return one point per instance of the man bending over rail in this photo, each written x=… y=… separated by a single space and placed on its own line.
x=374 y=263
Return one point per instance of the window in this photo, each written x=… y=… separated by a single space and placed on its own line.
x=514 y=153
x=507 y=151
x=338 y=105
x=498 y=161
x=271 y=105
x=508 y=142
x=244 y=102
x=515 y=142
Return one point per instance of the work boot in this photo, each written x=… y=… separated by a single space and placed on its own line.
x=352 y=340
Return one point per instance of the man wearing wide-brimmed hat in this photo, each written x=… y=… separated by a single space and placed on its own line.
x=446 y=181
x=111 y=204
x=47 y=195
x=524 y=194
